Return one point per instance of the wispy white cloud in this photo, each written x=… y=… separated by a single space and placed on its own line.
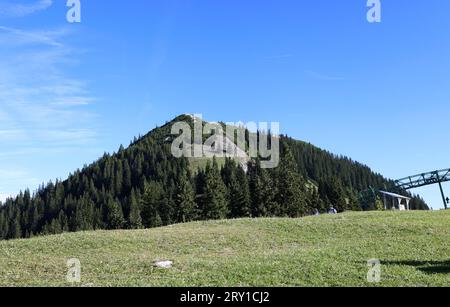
x=43 y=109
x=10 y=134
x=70 y=101
x=38 y=100
x=18 y=37
x=11 y=174
x=10 y=9
x=67 y=136
x=14 y=176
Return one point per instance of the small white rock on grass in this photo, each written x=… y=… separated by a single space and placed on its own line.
x=163 y=264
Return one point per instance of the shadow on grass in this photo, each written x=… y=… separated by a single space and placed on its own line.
x=429 y=267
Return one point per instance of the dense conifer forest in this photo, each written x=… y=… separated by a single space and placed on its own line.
x=144 y=186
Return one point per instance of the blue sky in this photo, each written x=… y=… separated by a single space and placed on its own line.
x=375 y=92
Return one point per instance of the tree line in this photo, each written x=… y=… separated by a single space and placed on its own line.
x=144 y=186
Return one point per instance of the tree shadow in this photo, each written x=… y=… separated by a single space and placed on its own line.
x=429 y=267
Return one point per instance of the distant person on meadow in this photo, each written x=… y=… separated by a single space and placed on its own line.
x=332 y=211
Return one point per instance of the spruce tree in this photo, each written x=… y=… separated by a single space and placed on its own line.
x=214 y=197
x=127 y=185
x=15 y=230
x=166 y=210
x=262 y=190
x=150 y=204
x=291 y=187
x=118 y=179
x=115 y=218
x=332 y=190
x=185 y=205
x=134 y=219
x=34 y=220
x=239 y=198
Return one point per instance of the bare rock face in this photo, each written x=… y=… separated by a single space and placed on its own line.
x=163 y=264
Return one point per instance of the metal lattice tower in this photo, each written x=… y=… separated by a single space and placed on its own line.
x=421 y=180
x=413 y=182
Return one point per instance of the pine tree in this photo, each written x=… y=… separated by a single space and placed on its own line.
x=151 y=201
x=118 y=179
x=262 y=190
x=134 y=219
x=239 y=199
x=62 y=218
x=84 y=214
x=115 y=218
x=166 y=210
x=15 y=230
x=316 y=203
x=332 y=190
x=291 y=187
x=34 y=220
x=55 y=227
x=126 y=177
x=185 y=200
x=214 y=197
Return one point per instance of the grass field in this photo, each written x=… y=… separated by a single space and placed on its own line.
x=413 y=247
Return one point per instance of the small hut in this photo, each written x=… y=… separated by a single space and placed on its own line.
x=394 y=201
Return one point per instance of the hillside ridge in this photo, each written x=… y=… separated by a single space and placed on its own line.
x=144 y=185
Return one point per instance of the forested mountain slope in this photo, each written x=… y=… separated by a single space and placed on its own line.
x=144 y=185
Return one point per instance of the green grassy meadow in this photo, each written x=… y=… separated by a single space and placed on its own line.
x=413 y=247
